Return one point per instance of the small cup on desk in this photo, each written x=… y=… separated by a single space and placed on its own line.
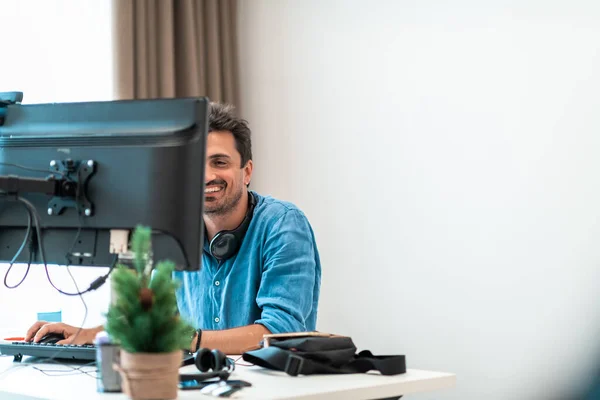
x=107 y=353
x=53 y=316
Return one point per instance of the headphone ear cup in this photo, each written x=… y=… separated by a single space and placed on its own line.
x=203 y=360
x=223 y=245
x=218 y=359
x=226 y=243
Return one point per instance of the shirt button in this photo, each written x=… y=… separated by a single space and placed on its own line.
x=217 y=283
x=217 y=319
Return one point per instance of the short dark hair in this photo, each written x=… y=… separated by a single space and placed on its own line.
x=221 y=117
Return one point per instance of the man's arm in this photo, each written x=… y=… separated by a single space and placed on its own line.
x=286 y=293
x=232 y=341
x=291 y=276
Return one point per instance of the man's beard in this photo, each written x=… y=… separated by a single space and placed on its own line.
x=228 y=202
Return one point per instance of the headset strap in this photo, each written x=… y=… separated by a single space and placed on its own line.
x=293 y=364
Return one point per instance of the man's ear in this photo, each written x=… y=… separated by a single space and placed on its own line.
x=248 y=168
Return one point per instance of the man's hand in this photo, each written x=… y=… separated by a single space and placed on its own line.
x=233 y=341
x=72 y=334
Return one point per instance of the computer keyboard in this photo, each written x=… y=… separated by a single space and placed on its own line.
x=83 y=352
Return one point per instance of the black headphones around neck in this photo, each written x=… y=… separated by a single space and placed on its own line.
x=212 y=364
x=226 y=243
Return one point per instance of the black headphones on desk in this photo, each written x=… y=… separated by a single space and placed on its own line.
x=211 y=364
x=226 y=243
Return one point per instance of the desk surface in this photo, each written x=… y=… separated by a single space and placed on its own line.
x=22 y=381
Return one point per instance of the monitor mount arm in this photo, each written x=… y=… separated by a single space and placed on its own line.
x=67 y=191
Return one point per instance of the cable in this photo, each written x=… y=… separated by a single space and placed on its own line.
x=68 y=372
x=20 y=250
x=32 y=169
x=24 y=276
x=93 y=286
x=69 y=270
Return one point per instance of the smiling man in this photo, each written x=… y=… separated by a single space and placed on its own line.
x=261 y=271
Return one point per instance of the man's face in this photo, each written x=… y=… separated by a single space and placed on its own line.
x=225 y=178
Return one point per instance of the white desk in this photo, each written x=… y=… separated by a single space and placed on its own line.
x=20 y=381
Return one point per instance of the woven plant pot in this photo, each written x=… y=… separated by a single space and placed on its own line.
x=150 y=376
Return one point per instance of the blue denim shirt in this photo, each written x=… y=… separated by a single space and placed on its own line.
x=273 y=280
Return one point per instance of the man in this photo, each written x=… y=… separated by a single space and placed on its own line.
x=268 y=283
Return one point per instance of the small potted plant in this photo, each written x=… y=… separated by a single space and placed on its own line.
x=143 y=320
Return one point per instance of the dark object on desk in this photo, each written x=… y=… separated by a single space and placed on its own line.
x=91 y=172
x=223 y=388
x=188 y=358
x=211 y=364
x=193 y=384
x=322 y=355
x=51 y=338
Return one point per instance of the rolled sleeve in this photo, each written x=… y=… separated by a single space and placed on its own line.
x=289 y=275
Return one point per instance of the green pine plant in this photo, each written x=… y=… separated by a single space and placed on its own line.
x=144 y=317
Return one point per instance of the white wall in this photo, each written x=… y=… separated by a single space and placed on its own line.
x=54 y=51
x=446 y=154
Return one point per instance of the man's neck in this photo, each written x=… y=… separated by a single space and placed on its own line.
x=229 y=221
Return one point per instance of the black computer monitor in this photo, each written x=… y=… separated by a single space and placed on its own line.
x=93 y=168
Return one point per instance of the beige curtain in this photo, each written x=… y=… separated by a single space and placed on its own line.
x=175 y=48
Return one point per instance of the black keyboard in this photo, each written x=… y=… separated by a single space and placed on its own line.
x=83 y=352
